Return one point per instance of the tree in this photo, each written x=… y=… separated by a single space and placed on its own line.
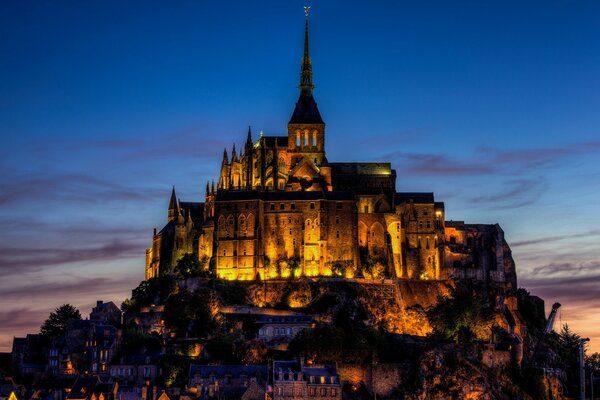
x=57 y=323
x=592 y=363
x=188 y=266
x=461 y=318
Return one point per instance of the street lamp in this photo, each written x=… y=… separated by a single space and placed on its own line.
x=582 y=343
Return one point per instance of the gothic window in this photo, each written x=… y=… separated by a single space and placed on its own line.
x=428 y=224
x=244 y=251
x=281 y=164
x=420 y=224
x=316 y=222
x=337 y=219
x=427 y=243
x=293 y=206
x=289 y=220
x=282 y=206
x=230 y=225
x=308 y=224
x=242 y=223
x=306 y=138
x=290 y=231
x=297 y=138
x=314 y=138
x=272 y=206
x=312 y=206
x=366 y=209
x=224 y=252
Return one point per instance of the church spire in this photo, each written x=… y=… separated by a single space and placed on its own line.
x=306 y=111
x=306 y=84
x=173 y=206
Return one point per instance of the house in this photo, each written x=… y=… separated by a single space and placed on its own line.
x=92 y=388
x=87 y=347
x=229 y=381
x=28 y=357
x=282 y=326
x=136 y=370
x=108 y=313
x=294 y=380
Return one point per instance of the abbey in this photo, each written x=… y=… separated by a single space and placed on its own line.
x=281 y=209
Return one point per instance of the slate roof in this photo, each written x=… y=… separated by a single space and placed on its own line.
x=232 y=195
x=285 y=319
x=306 y=111
x=259 y=371
x=416 y=197
x=282 y=141
x=361 y=168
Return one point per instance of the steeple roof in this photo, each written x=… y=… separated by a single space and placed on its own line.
x=306 y=111
x=173 y=203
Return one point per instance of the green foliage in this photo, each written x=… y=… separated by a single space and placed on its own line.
x=57 y=323
x=592 y=364
x=175 y=368
x=152 y=291
x=136 y=341
x=193 y=314
x=189 y=265
x=460 y=317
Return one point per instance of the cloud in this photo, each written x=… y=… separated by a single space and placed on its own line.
x=20 y=319
x=17 y=260
x=74 y=286
x=69 y=188
x=518 y=193
x=558 y=238
x=437 y=164
x=570 y=269
x=539 y=157
x=488 y=160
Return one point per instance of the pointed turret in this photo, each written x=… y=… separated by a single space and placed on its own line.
x=225 y=158
x=306 y=111
x=249 y=158
x=173 y=206
x=249 y=138
x=233 y=154
x=212 y=187
x=207 y=191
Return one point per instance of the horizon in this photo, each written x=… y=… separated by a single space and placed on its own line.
x=105 y=107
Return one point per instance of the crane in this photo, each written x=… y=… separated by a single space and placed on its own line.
x=551 y=318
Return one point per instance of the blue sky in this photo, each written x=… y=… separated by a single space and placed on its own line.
x=105 y=105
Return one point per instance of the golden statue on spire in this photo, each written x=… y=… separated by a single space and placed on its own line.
x=306 y=8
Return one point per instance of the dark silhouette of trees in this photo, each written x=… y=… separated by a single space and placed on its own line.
x=57 y=323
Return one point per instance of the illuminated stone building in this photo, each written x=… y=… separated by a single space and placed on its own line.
x=281 y=208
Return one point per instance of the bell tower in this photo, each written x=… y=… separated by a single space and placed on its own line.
x=306 y=129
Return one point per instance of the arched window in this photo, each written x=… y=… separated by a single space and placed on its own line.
x=306 y=138
x=314 y=138
x=242 y=223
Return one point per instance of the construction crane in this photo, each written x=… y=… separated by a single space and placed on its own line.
x=551 y=318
